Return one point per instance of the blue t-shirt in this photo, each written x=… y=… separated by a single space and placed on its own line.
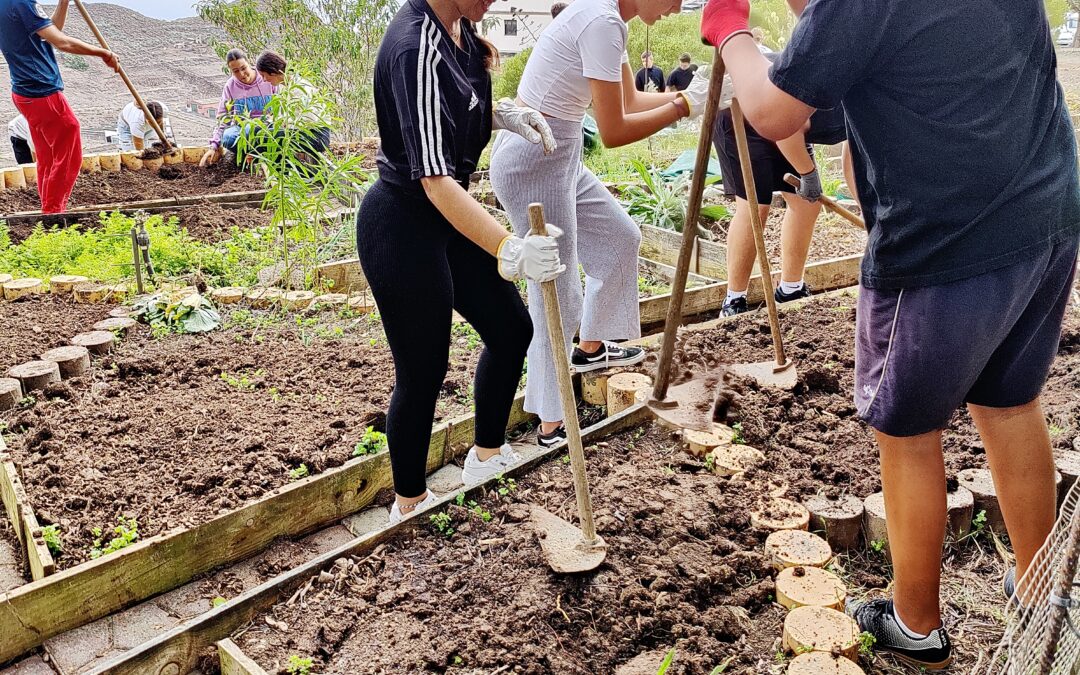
x=965 y=159
x=31 y=60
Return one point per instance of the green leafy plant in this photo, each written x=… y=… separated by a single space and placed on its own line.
x=710 y=462
x=506 y=486
x=866 y=643
x=661 y=202
x=479 y=511
x=51 y=533
x=737 y=438
x=126 y=531
x=669 y=658
x=189 y=314
x=878 y=546
x=464 y=330
x=443 y=523
x=371 y=443
x=299 y=472
x=241 y=380
x=299 y=665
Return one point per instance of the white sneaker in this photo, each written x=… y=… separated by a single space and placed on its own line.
x=476 y=471
x=396 y=516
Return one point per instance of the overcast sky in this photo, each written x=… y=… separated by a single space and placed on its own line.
x=159 y=9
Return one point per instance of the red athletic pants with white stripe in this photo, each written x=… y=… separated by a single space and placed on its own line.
x=58 y=143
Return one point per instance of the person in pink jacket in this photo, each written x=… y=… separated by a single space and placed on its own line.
x=246 y=92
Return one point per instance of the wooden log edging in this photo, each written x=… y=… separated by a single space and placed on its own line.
x=23 y=520
x=34 y=612
x=179 y=649
x=82 y=211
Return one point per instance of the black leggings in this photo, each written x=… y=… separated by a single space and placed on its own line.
x=23 y=154
x=420 y=269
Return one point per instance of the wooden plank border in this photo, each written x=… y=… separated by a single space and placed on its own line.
x=709 y=257
x=23 y=520
x=178 y=650
x=82 y=211
x=234 y=661
x=34 y=612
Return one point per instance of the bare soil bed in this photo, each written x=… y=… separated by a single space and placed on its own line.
x=173 y=431
x=37 y=323
x=92 y=189
x=684 y=569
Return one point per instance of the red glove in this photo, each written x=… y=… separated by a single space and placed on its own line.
x=723 y=19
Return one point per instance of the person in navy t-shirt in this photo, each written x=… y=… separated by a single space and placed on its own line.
x=966 y=169
x=27 y=38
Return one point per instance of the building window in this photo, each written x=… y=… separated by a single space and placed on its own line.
x=510 y=27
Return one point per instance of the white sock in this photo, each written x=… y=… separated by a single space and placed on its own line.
x=735 y=295
x=900 y=622
x=790 y=287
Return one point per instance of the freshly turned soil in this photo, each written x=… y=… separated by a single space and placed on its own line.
x=131 y=186
x=35 y=324
x=156 y=432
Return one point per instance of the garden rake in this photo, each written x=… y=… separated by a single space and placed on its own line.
x=566 y=548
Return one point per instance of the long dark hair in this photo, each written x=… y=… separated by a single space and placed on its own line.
x=271 y=62
x=491 y=59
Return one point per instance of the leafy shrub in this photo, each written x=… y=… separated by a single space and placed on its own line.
x=509 y=76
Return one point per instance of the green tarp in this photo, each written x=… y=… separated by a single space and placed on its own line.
x=685 y=164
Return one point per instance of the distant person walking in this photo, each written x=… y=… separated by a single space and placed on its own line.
x=27 y=39
x=679 y=79
x=649 y=73
x=21 y=142
x=246 y=93
x=132 y=128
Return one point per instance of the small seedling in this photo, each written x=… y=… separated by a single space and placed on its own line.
x=978 y=523
x=299 y=665
x=710 y=462
x=506 y=485
x=371 y=443
x=27 y=401
x=460 y=499
x=218 y=601
x=866 y=643
x=457 y=661
x=443 y=524
x=877 y=546
x=126 y=531
x=737 y=438
x=666 y=663
x=51 y=533
x=722 y=667
x=804 y=649
x=566 y=459
x=299 y=472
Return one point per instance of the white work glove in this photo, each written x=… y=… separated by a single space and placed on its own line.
x=535 y=257
x=696 y=93
x=525 y=122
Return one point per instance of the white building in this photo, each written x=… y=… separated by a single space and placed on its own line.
x=515 y=25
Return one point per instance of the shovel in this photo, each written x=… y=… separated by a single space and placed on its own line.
x=781 y=373
x=566 y=548
x=830 y=203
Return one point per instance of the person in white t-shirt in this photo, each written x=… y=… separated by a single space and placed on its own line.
x=134 y=132
x=580 y=61
x=21 y=142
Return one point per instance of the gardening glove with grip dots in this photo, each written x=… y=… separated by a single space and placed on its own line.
x=696 y=94
x=535 y=257
x=525 y=122
x=810 y=186
x=723 y=19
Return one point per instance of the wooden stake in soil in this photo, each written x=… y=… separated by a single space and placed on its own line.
x=961 y=509
x=234 y=661
x=18 y=288
x=297 y=300
x=29 y=173
x=701 y=443
x=594 y=387
x=820 y=629
x=14 y=179
x=119 y=325
x=131 y=161
x=98 y=342
x=623 y=390
x=63 y=284
x=90 y=293
x=809 y=587
x=841 y=520
x=35 y=375
x=794 y=548
x=72 y=360
x=820 y=663
x=110 y=161
x=91 y=164
x=874 y=529
x=731 y=460
x=10 y=393
x=228 y=295
x=982 y=489
x=778 y=513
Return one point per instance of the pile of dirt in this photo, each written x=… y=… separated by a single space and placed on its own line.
x=37 y=323
x=174 y=431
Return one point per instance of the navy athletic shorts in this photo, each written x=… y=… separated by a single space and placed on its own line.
x=988 y=340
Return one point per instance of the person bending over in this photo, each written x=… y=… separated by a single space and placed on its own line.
x=22 y=144
x=132 y=128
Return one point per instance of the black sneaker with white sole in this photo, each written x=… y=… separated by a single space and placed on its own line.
x=781 y=296
x=735 y=306
x=552 y=439
x=609 y=355
x=933 y=652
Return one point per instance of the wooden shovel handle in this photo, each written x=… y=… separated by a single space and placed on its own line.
x=829 y=203
x=566 y=388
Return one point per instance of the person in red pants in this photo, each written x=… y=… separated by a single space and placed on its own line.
x=28 y=37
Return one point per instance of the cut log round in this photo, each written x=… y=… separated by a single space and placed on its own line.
x=701 y=443
x=119 y=312
x=820 y=629
x=297 y=300
x=10 y=393
x=841 y=519
x=623 y=389
x=874 y=530
x=809 y=587
x=35 y=375
x=91 y=164
x=131 y=161
x=4 y=278
x=778 y=513
x=110 y=161
x=731 y=460
x=153 y=164
x=90 y=293
x=73 y=360
x=982 y=489
x=17 y=288
x=228 y=295
x=62 y=284
x=793 y=548
x=97 y=342
x=820 y=663
x=961 y=509
x=14 y=179
x=119 y=325
x=594 y=387
x=29 y=173
x=327 y=300
x=362 y=303
x=262 y=298
x=1068 y=465
x=193 y=155
x=118 y=292
x=173 y=157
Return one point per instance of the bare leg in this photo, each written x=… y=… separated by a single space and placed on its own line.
x=741 y=249
x=795 y=236
x=913 y=478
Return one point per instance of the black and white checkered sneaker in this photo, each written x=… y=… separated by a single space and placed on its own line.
x=933 y=652
x=609 y=355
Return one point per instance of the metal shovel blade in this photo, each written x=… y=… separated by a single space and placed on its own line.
x=768 y=374
x=689 y=405
x=564 y=546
